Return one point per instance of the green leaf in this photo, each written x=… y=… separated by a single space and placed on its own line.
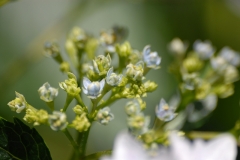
x=19 y=142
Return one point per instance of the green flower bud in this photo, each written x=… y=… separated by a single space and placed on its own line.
x=70 y=85
x=35 y=116
x=79 y=37
x=51 y=49
x=57 y=121
x=202 y=90
x=91 y=47
x=18 y=104
x=124 y=50
x=104 y=116
x=102 y=64
x=192 y=64
x=78 y=110
x=47 y=93
x=72 y=51
x=150 y=86
x=135 y=72
x=224 y=90
x=81 y=123
x=64 y=67
x=133 y=108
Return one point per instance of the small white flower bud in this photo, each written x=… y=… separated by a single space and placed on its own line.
x=104 y=116
x=151 y=59
x=47 y=93
x=93 y=89
x=135 y=72
x=58 y=121
x=112 y=78
x=230 y=56
x=177 y=47
x=165 y=112
x=204 y=50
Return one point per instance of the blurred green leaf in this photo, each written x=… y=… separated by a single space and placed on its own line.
x=18 y=141
x=2 y=2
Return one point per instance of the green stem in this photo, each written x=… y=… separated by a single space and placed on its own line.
x=67 y=102
x=108 y=102
x=51 y=105
x=79 y=100
x=82 y=141
x=74 y=144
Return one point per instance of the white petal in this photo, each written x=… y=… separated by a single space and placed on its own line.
x=180 y=147
x=110 y=71
x=86 y=82
x=127 y=148
x=102 y=83
x=224 y=147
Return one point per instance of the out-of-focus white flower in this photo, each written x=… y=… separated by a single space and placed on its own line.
x=219 y=64
x=223 y=147
x=47 y=93
x=18 y=104
x=112 y=78
x=177 y=47
x=133 y=108
x=200 y=109
x=165 y=112
x=151 y=59
x=57 y=121
x=204 y=50
x=230 y=56
x=127 y=148
x=93 y=89
x=231 y=74
x=104 y=116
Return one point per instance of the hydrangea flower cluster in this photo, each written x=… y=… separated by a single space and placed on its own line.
x=203 y=74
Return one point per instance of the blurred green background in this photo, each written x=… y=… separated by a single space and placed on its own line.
x=26 y=24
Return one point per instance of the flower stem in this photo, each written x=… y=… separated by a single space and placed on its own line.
x=68 y=101
x=74 y=144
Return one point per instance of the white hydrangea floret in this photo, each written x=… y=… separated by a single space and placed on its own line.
x=58 y=121
x=112 y=78
x=104 y=116
x=47 y=93
x=165 y=112
x=230 y=56
x=93 y=89
x=204 y=50
x=151 y=59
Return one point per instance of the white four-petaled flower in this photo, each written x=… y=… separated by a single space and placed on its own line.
x=151 y=59
x=204 y=50
x=57 y=121
x=165 y=112
x=112 y=78
x=93 y=89
x=47 y=93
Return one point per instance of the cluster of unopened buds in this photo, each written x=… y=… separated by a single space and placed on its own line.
x=203 y=76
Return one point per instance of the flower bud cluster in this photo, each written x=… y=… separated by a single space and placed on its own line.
x=137 y=121
x=81 y=123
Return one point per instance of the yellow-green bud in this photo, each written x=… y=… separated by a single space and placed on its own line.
x=70 y=85
x=64 y=67
x=81 y=123
x=192 y=64
x=124 y=50
x=18 y=104
x=78 y=110
x=150 y=86
x=102 y=64
x=139 y=123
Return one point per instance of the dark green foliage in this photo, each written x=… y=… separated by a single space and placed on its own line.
x=18 y=141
